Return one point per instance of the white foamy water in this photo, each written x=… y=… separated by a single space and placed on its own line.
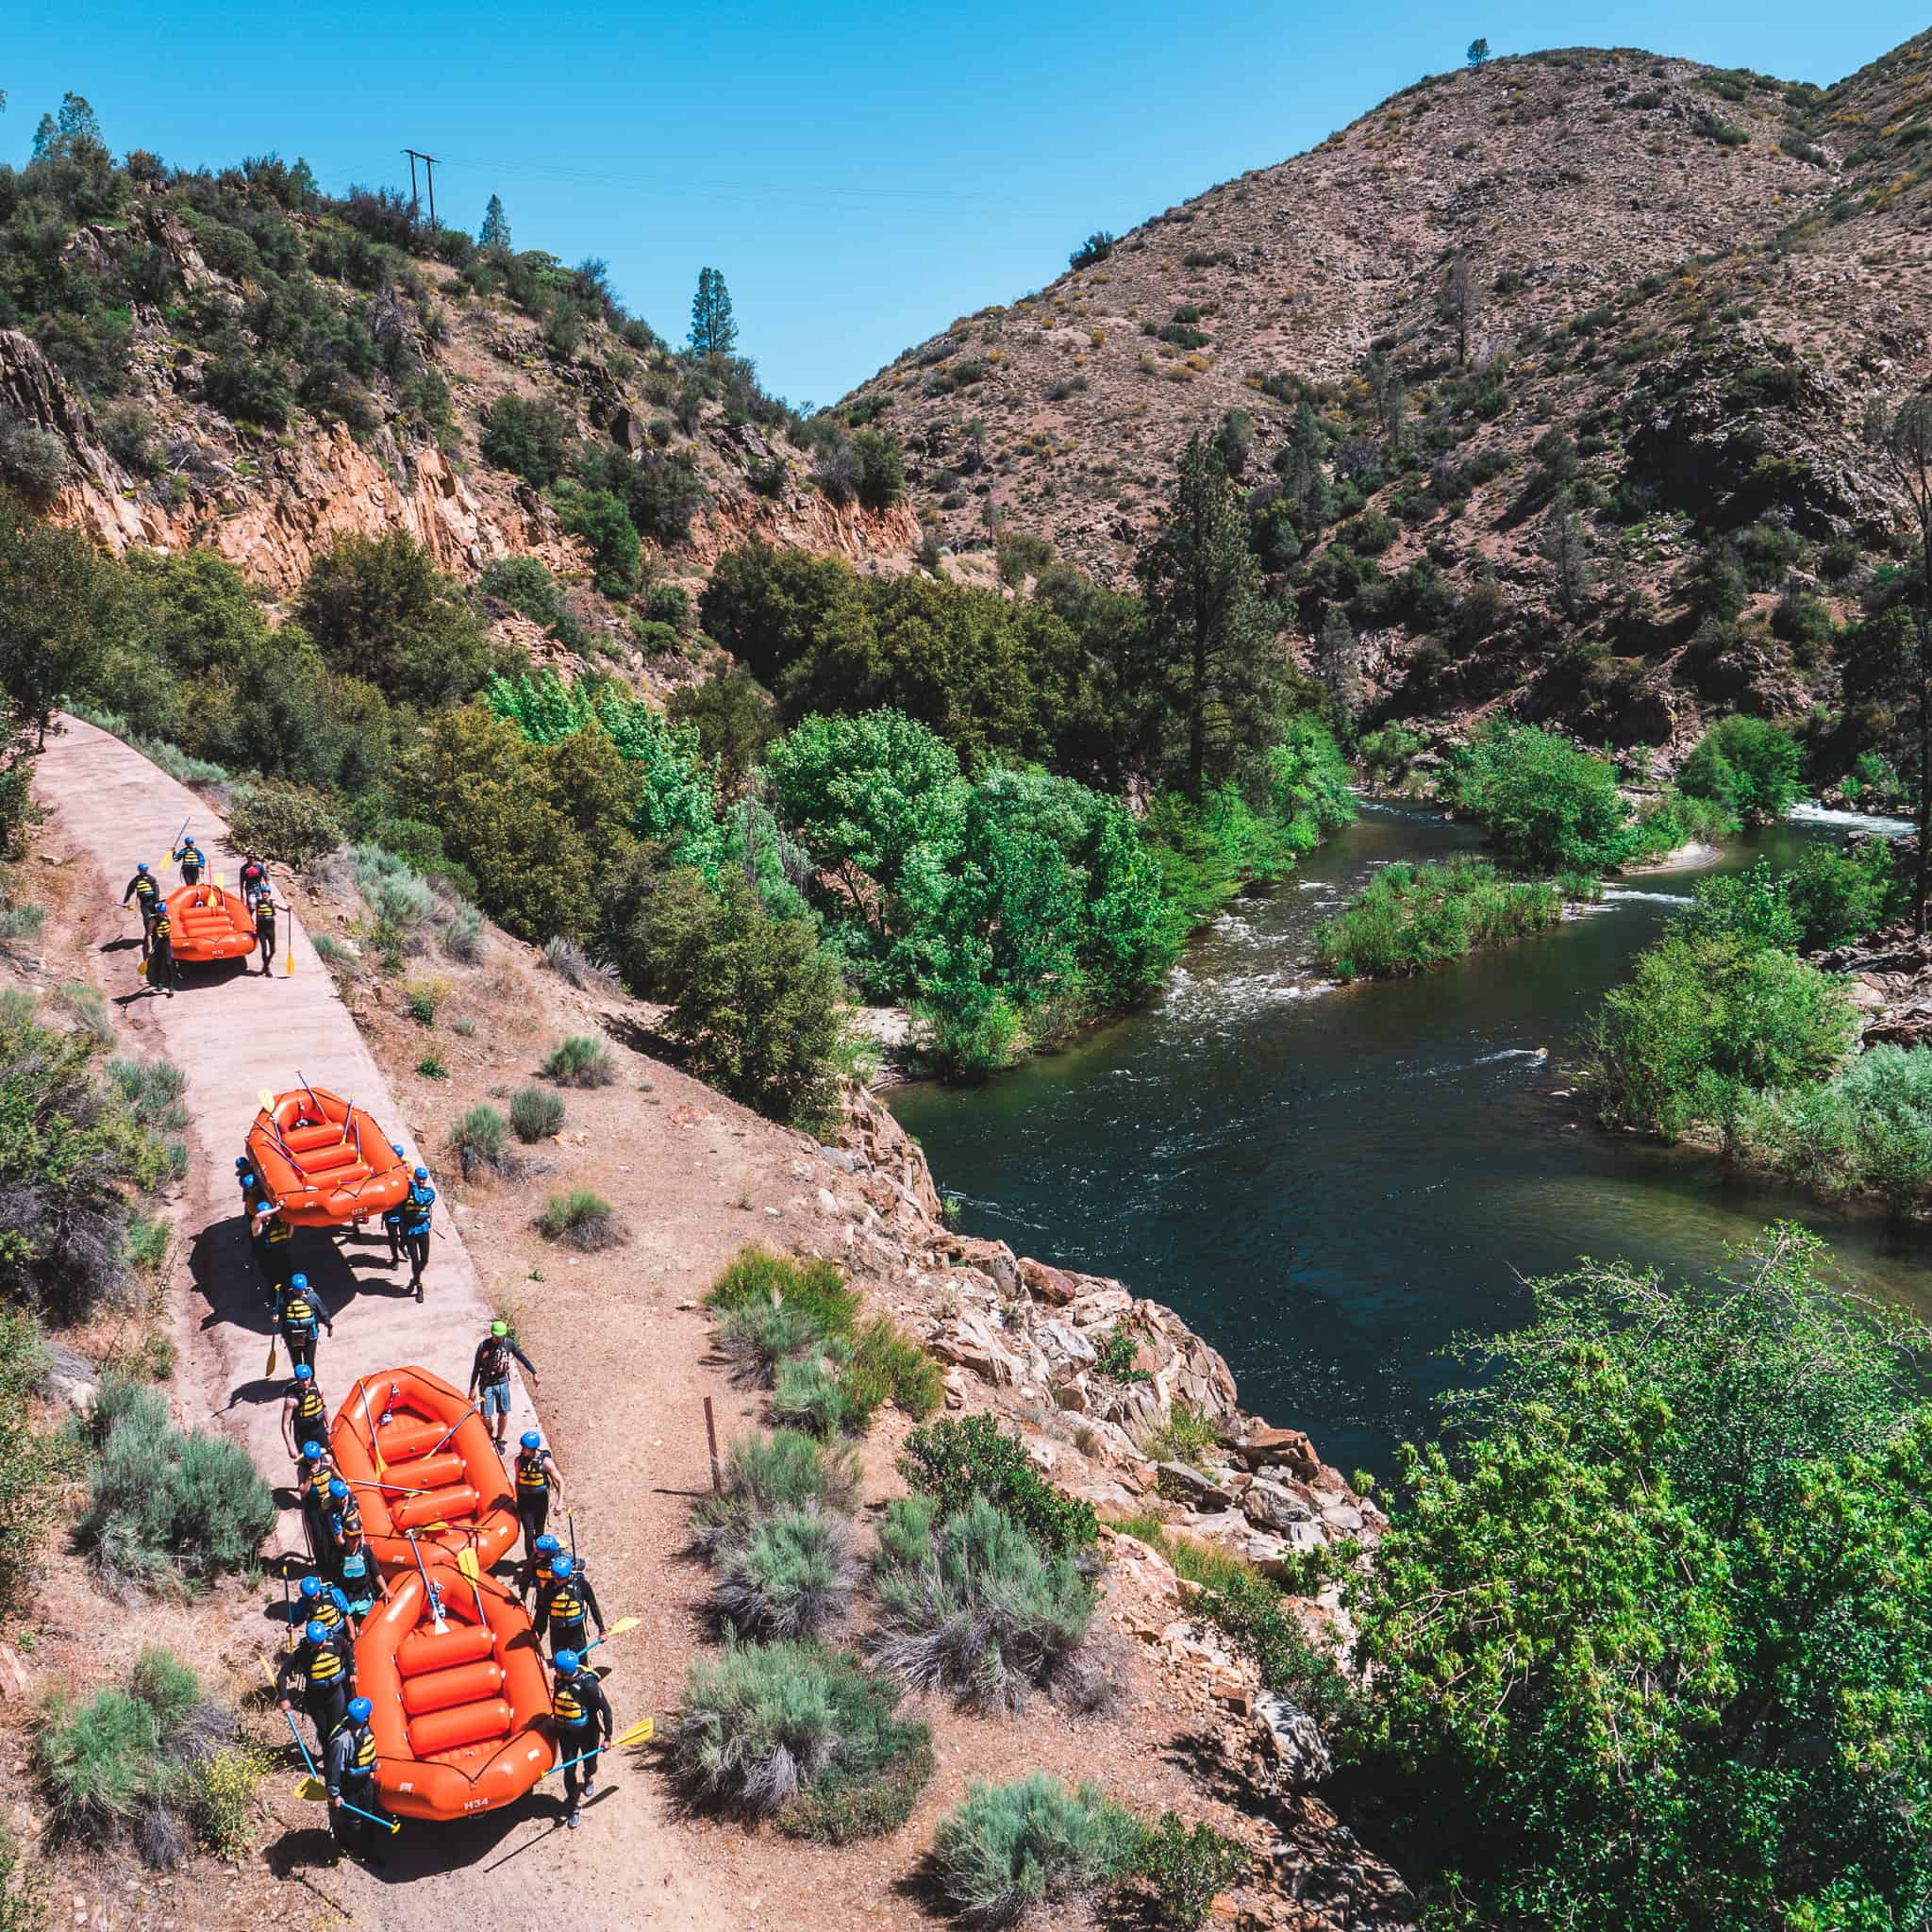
x=1618 y=893
x=1809 y=814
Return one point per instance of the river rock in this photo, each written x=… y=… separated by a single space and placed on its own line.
x=1295 y=1742
x=1290 y=1447
x=1190 y=1486
x=1277 y=1505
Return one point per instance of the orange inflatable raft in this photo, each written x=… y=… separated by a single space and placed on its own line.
x=324 y=1161
x=459 y=1714
x=434 y=1446
x=210 y=922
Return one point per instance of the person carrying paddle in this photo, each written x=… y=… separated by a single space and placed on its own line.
x=304 y=1414
x=536 y=1476
x=349 y=1774
x=489 y=1371
x=188 y=855
x=318 y=1670
x=299 y=1312
x=162 y=968
x=265 y=929
x=415 y=1219
x=564 y=1603
x=144 y=890
x=578 y=1709
x=323 y=1602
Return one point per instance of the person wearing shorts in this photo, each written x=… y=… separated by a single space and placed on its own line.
x=489 y=1372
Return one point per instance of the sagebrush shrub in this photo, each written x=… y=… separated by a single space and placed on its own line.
x=760 y=1337
x=764 y=1722
x=535 y=1114
x=1012 y=1846
x=790 y=1577
x=580 y=1061
x=767 y=1473
x=480 y=1141
x=165 y=1503
x=581 y=1220
x=970 y=1603
x=808 y=1394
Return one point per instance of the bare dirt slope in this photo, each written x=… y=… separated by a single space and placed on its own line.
x=621 y=1349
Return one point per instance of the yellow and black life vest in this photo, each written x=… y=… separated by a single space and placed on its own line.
x=276 y=1229
x=310 y=1406
x=566 y=1606
x=324 y=1612
x=145 y=888
x=323 y=1665
x=162 y=927
x=362 y=1748
x=566 y=1706
x=531 y=1474
x=265 y=916
x=296 y=1313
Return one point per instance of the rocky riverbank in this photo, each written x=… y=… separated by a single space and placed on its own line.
x=1026 y=1338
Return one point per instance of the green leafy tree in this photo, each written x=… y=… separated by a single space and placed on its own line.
x=1652 y=1626
x=756 y=1003
x=1706 y=1019
x=1564 y=544
x=1478 y=50
x=531 y=439
x=58 y=609
x=734 y=719
x=1203 y=590
x=1747 y=764
x=881 y=468
x=713 y=329
x=1548 y=805
x=1303 y=482
x=378 y=609
x=494 y=237
x=1338 y=666
x=604 y=523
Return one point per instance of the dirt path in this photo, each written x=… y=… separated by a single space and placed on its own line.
x=233 y=1033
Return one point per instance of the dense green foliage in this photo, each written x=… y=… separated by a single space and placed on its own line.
x=1706 y=1018
x=953 y=1460
x=769 y=1473
x=1411 y=917
x=1747 y=765
x=133 y=1760
x=28 y=1464
x=1650 y=1627
x=790 y=1577
x=1866 y=1129
x=1548 y=806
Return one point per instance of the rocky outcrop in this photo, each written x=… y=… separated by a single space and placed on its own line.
x=804 y=520
x=96 y=491
x=1887 y=978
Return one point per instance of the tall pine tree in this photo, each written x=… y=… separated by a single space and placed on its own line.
x=1338 y=665
x=1222 y=666
x=712 y=331
x=494 y=237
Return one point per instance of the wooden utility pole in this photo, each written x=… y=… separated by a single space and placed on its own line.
x=430 y=172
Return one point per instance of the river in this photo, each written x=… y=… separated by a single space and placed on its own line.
x=1329 y=1183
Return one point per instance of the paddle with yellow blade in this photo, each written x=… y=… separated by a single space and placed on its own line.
x=640 y=1733
x=467 y=1568
x=617 y=1629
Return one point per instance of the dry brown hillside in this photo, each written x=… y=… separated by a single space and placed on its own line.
x=1563 y=179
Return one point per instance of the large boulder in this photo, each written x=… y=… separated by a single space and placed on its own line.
x=1293 y=1740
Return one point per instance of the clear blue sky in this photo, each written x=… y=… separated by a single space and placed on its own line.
x=860 y=173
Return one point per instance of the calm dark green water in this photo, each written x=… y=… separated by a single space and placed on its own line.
x=1330 y=1183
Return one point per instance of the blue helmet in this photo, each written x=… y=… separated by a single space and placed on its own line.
x=360 y=1709
x=311 y=1452
x=303 y=1373
x=531 y=1439
x=241 y=1163
x=546 y=1545
x=422 y=1174
x=566 y=1663
x=337 y=1489
x=142 y=867
x=309 y=1586
x=298 y=1282
x=316 y=1633
x=561 y=1565
x=395 y=1147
